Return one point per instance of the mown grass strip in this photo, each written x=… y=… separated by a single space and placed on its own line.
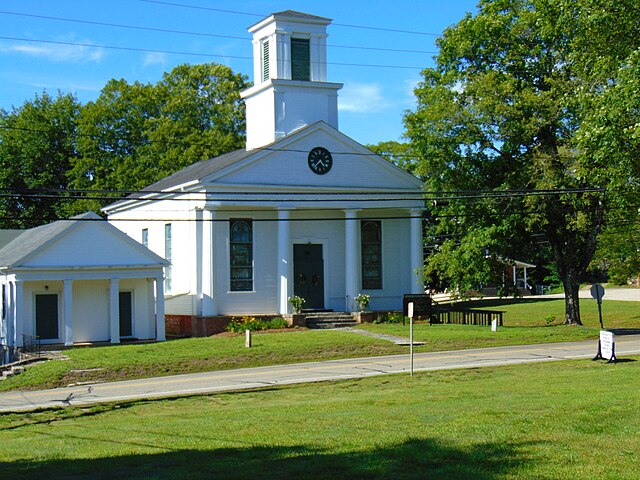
x=576 y=419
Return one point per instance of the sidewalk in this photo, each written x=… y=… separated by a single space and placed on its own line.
x=248 y=378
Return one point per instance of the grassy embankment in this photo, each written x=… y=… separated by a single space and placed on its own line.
x=525 y=322
x=574 y=419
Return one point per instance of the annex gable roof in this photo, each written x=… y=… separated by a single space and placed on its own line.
x=85 y=240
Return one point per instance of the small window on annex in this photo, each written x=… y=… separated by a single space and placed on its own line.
x=241 y=255
x=371 y=248
x=300 y=59
x=145 y=237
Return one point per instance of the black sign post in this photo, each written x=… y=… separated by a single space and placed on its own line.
x=597 y=292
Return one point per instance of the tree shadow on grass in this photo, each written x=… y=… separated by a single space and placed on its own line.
x=498 y=302
x=413 y=459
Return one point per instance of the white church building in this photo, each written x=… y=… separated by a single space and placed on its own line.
x=303 y=210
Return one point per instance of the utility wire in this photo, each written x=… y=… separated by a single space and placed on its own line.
x=208 y=55
x=199 y=34
x=235 y=12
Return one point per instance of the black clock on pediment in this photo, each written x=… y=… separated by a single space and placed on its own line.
x=320 y=160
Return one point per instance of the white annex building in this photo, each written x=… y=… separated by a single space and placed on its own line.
x=303 y=210
x=78 y=280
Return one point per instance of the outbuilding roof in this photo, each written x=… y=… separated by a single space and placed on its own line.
x=28 y=242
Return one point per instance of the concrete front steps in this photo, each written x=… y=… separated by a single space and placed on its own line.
x=329 y=320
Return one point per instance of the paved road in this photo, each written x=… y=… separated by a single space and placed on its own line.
x=230 y=380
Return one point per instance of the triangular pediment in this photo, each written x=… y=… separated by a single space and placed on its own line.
x=90 y=244
x=285 y=163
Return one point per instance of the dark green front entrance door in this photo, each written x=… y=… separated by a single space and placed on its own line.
x=47 y=316
x=308 y=274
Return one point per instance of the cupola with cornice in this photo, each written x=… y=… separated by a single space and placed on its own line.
x=290 y=70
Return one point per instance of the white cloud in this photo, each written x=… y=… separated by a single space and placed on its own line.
x=56 y=51
x=410 y=86
x=362 y=98
x=154 y=58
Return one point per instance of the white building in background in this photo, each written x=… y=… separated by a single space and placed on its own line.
x=79 y=280
x=303 y=210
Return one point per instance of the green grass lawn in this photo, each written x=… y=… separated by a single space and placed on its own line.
x=524 y=323
x=530 y=311
x=575 y=419
x=94 y=364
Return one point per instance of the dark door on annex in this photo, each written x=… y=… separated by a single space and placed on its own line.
x=126 y=314
x=308 y=274
x=47 y=316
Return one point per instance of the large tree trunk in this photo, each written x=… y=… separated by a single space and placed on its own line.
x=571 y=297
x=569 y=269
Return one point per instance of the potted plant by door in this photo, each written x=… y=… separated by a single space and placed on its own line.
x=296 y=319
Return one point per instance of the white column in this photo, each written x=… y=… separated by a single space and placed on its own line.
x=515 y=276
x=208 y=303
x=417 y=252
x=67 y=311
x=114 y=310
x=284 y=260
x=18 y=312
x=350 y=255
x=11 y=314
x=198 y=262
x=160 y=335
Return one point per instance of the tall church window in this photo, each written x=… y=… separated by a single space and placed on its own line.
x=300 y=59
x=241 y=255
x=371 y=248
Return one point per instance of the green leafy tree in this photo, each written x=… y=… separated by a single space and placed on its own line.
x=501 y=113
x=136 y=134
x=399 y=153
x=611 y=133
x=37 y=146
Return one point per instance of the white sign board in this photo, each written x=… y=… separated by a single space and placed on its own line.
x=607 y=345
x=494 y=325
x=410 y=310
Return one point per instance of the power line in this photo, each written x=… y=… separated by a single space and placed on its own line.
x=200 y=34
x=370 y=195
x=235 y=12
x=197 y=54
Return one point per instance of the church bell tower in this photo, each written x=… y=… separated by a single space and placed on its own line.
x=290 y=70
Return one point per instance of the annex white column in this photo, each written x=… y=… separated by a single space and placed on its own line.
x=114 y=310
x=67 y=311
x=11 y=314
x=350 y=256
x=18 y=312
x=160 y=328
x=284 y=260
x=208 y=303
x=198 y=262
x=417 y=252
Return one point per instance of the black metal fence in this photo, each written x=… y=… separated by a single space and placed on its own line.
x=465 y=316
x=30 y=347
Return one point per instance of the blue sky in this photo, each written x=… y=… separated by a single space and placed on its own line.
x=371 y=103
